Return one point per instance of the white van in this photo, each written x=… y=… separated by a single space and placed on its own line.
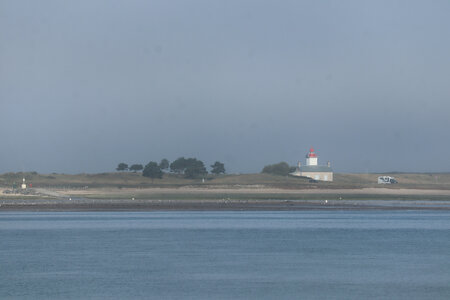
x=386 y=180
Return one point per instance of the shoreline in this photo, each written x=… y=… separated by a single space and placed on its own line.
x=246 y=198
x=222 y=205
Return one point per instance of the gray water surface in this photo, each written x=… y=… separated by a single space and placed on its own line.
x=225 y=255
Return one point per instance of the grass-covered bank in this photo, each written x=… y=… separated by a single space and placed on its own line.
x=119 y=180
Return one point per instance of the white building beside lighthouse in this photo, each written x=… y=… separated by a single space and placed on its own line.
x=312 y=169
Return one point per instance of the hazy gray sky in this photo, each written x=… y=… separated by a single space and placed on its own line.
x=87 y=84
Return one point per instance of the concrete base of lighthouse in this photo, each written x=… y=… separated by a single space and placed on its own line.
x=316 y=175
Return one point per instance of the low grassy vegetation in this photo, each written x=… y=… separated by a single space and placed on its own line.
x=136 y=180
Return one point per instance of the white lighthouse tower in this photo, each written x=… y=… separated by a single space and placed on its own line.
x=312 y=169
x=311 y=158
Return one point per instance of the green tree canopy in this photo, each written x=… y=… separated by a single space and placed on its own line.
x=281 y=168
x=152 y=170
x=190 y=167
x=194 y=168
x=122 y=167
x=164 y=164
x=136 y=167
x=218 y=168
x=178 y=165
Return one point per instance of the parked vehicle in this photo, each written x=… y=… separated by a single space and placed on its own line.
x=386 y=180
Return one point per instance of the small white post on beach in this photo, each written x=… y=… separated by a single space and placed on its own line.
x=24 y=185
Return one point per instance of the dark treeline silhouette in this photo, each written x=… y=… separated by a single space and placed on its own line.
x=281 y=168
x=189 y=167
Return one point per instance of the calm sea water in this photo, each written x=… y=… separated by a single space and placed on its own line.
x=225 y=255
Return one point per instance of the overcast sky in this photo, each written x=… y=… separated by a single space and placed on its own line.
x=87 y=84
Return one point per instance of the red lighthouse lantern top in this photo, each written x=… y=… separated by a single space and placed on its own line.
x=311 y=153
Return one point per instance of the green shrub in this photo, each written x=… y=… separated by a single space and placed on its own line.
x=281 y=168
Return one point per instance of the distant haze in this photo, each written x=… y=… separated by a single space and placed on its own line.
x=85 y=85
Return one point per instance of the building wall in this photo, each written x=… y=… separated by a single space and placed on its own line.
x=311 y=161
x=324 y=176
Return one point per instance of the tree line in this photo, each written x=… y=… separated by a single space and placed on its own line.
x=189 y=167
x=194 y=168
x=281 y=168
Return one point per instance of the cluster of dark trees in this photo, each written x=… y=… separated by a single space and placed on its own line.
x=134 y=168
x=189 y=167
x=281 y=168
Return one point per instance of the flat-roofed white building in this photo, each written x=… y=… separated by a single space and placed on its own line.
x=312 y=169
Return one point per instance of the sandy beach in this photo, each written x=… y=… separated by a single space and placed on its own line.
x=226 y=198
x=251 y=190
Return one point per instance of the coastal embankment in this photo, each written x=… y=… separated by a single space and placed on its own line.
x=242 y=198
x=113 y=191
